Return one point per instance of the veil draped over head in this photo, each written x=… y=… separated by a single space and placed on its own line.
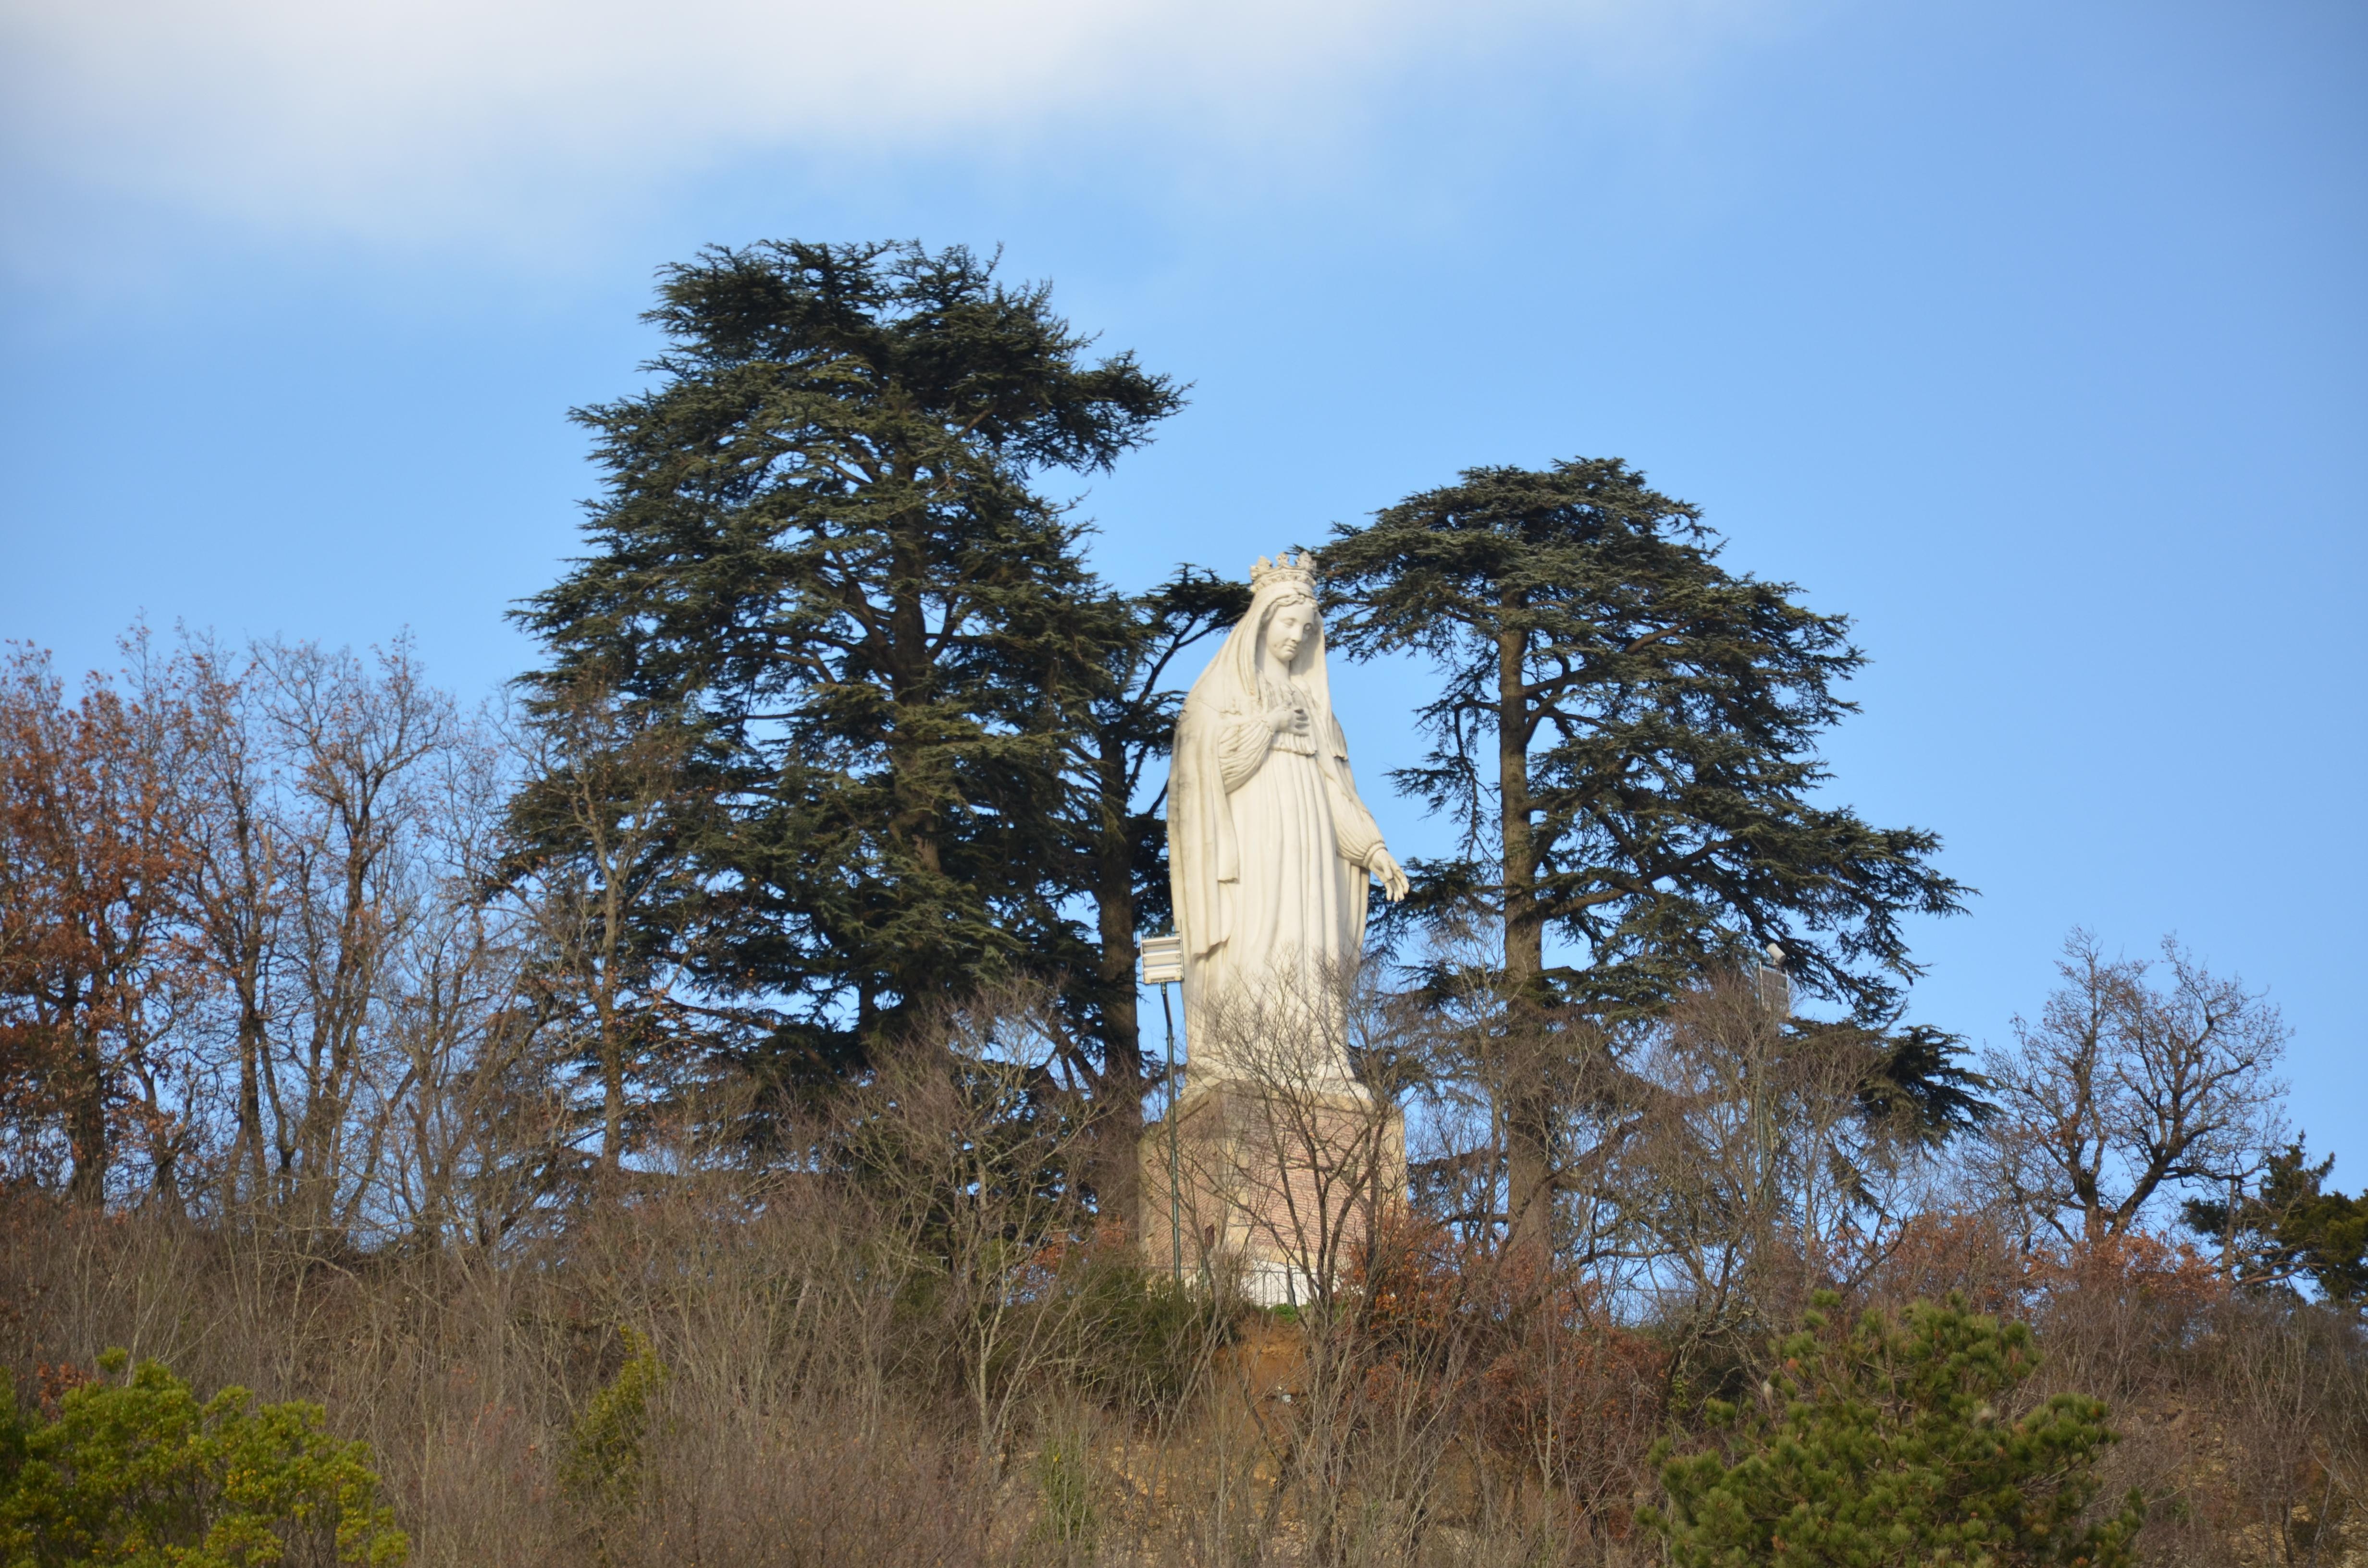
x=1203 y=850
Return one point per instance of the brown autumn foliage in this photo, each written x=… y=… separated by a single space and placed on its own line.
x=318 y=1080
x=91 y=842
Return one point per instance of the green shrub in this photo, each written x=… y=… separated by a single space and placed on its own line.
x=603 y=1466
x=1143 y=1337
x=1888 y=1450
x=138 y=1473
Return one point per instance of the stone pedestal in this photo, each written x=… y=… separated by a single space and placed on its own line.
x=1278 y=1188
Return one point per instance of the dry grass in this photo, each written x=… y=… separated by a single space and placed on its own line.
x=815 y=1412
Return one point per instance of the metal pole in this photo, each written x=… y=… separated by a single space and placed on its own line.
x=1174 y=1199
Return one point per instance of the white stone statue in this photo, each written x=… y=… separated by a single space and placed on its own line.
x=1269 y=847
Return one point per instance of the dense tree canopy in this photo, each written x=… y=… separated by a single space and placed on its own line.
x=1626 y=734
x=819 y=532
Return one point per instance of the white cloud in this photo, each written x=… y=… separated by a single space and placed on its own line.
x=385 y=114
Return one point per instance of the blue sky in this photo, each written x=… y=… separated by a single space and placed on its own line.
x=2030 y=335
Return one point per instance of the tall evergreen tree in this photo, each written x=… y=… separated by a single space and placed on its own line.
x=819 y=532
x=1626 y=734
x=1117 y=843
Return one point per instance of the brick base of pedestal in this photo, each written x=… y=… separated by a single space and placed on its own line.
x=1277 y=1188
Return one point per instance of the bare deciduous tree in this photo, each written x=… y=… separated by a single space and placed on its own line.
x=353 y=738
x=596 y=839
x=233 y=889
x=1759 y=1166
x=2125 y=1090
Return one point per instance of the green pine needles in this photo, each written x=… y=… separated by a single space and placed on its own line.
x=1885 y=1444
x=1626 y=734
x=823 y=546
x=138 y=1473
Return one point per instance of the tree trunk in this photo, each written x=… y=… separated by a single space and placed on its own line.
x=916 y=814
x=85 y=1104
x=246 y=1154
x=334 y=1051
x=613 y=1095
x=240 y=918
x=604 y=992
x=1118 y=1139
x=1528 y=1108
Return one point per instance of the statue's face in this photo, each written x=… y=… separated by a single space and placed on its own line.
x=1289 y=629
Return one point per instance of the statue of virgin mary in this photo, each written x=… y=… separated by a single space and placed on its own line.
x=1269 y=847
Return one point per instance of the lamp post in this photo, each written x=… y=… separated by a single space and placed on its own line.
x=1163 y=965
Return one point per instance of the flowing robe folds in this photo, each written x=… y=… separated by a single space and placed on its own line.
x=1269 y=847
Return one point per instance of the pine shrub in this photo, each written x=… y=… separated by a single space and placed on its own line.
x=135 y=1470
x=1887 y=1444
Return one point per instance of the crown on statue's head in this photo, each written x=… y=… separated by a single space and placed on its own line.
x=1284 y=572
